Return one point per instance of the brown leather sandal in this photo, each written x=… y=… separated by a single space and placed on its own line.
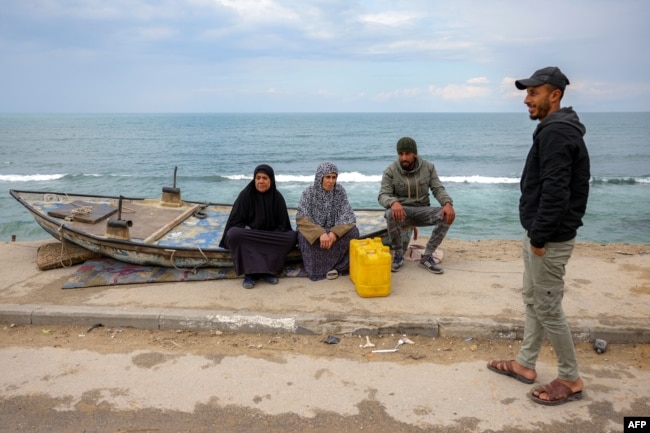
x=557 y=392
x=509 y=371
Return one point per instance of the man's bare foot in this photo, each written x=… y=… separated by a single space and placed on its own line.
x=513 y=369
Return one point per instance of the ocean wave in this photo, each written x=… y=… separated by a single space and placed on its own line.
x=595 y=180
x=345 y=177
x=479 y=179
x=620 y=180
x=30 y=177
x=52 y=177
x=356 y=177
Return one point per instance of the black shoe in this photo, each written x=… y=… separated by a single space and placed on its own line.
x=398 y=261
x=271 y=279
x=249 y=282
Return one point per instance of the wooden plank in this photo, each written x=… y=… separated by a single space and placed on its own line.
x=167 y=227
x=84 y=212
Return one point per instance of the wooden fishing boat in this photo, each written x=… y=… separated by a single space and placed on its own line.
x=166 y=232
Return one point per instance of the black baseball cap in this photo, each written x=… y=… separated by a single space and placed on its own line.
x=549 y=75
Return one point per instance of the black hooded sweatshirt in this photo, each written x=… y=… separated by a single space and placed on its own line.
x=555 y=181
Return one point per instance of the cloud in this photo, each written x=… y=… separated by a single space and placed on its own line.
x=507 y=88
x=256 y=11
x=478 y=80
x=398 y=94
x=390 y=19
x=459 y=92
x=361 y=52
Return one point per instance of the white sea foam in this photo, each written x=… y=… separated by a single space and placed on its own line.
x=479 y=179
x=29 y=177
x=356 y=177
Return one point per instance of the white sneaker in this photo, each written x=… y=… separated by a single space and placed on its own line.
x=430 y=265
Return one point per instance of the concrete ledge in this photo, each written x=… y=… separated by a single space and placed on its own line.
x=142 y=318
x=617 y=331
x=18 y=314
x=633 y=331
x=495 y=329
x=367 y=325
x=297 y=324
x=227 y=321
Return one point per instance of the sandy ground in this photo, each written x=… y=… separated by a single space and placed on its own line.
x=494 y=249
x=418 y=349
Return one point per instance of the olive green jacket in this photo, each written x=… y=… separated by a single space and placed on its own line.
x=411 y=188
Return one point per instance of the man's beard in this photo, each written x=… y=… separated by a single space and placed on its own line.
x=541 y=110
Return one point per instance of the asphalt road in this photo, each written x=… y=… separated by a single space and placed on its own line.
x=55 y=388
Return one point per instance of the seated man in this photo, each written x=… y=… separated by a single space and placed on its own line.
x=404 y=193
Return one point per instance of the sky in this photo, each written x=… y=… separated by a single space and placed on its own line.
x=178 y=56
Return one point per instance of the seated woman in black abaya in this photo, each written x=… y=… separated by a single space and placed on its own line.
x=258 y=232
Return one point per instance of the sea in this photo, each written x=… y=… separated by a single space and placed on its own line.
x=211 y=157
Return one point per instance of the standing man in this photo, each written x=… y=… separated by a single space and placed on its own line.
x=554 y=191
x=404 y=193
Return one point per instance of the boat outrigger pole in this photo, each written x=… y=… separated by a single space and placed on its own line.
x=171 y=196
x=118 y=228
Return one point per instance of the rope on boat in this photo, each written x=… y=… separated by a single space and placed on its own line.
x=204 y=256
x=81 y=210
x=62 y=253
x=194 y=270
x=60 y=230
x=61 y=261
x=200 y=213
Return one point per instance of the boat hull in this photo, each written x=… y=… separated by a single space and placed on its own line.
x=148 y=231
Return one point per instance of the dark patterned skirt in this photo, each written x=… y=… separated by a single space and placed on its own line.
x=318 y=261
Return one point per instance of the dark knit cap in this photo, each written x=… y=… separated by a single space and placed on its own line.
x=407 y=144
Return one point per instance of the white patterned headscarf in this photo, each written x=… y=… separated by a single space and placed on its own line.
x=326 y=208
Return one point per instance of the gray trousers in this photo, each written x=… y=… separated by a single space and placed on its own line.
x=417 y=216
x=543 y=291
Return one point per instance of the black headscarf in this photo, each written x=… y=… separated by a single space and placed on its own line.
x=256 y=210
